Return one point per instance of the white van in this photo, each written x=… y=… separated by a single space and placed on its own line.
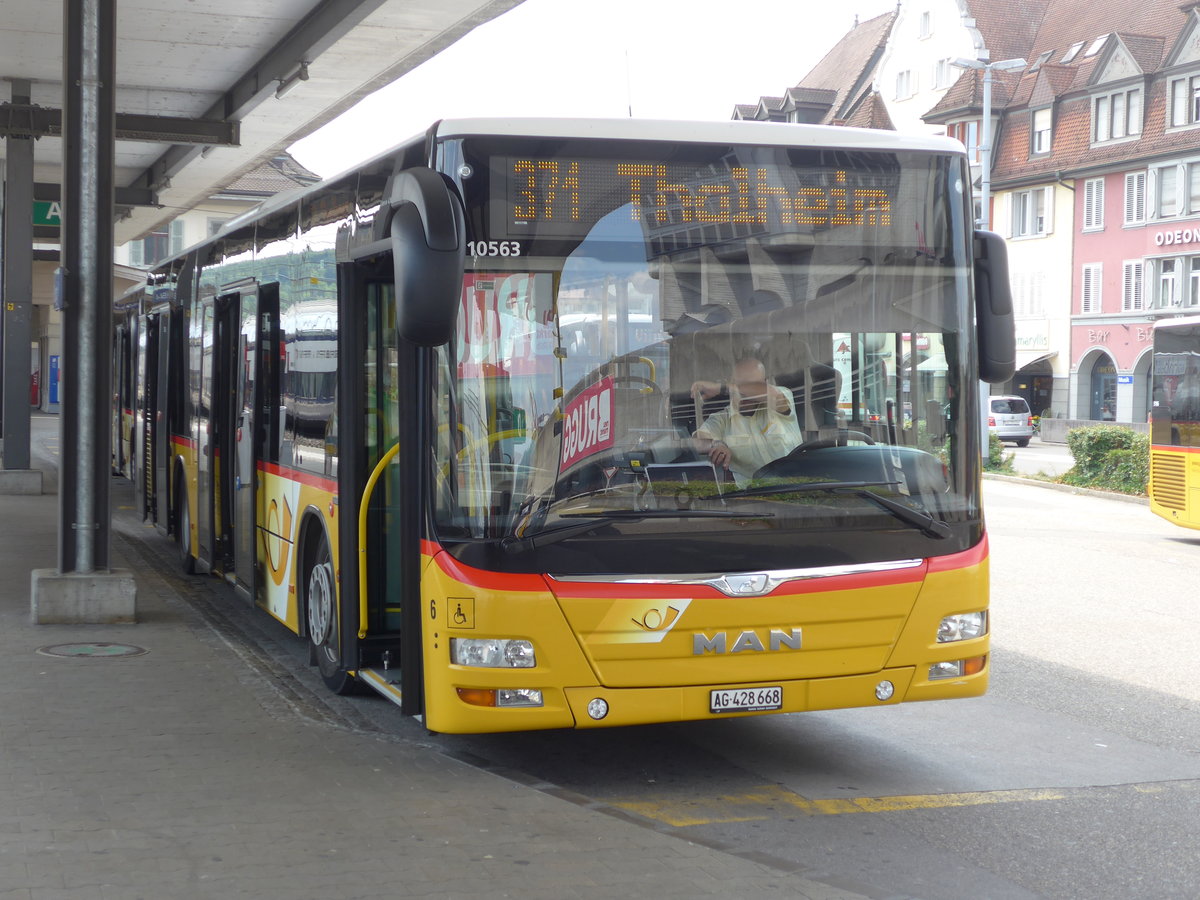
x=1009 y=419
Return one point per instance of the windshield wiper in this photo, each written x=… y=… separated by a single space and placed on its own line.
x=918 y=518
x=927 y=523
x=513 y=544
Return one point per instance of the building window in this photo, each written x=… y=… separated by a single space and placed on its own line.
x=1030 y=212
x=1193 y=298
x=1072 y=51
x=1166 y=201
x=926 y=26
x=943 y=73
x=1167 y=282
x=1117 y=115
x=1132 y=299
x=164 y=241
x=1185 y=101
x=1097 y=45
x=968 y=134
x=905 y=84
x=1193 y=189
x=214 y=225
x=1093 y=204
x=1135 y=198
x=1041 y=131
x=1091 y=288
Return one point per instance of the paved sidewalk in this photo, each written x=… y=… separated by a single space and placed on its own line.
x=183 y=772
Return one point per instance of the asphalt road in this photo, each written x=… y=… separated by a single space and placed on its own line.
x=1040 y=458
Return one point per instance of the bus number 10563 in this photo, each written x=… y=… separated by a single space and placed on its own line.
x=493 y=248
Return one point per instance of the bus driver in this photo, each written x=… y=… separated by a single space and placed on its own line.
x=758 y=426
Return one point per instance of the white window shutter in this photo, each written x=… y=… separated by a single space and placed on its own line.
x=1049 y=209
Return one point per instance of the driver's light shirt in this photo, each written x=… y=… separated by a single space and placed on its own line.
x=753 y=440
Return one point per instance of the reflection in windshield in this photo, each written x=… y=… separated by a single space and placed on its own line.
x=647 y=388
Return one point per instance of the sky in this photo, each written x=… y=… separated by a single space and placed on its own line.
x=670 y=59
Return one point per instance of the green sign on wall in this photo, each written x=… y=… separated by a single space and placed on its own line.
x=47 y=212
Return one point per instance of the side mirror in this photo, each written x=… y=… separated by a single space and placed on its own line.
x=994 y=309
x=428 y=251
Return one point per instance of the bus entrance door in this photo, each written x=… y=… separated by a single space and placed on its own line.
x=146 y=420
x=236 y=361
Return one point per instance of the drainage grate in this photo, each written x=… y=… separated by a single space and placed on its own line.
x=95 y=648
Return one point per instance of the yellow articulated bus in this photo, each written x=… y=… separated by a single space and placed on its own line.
x=1175 y=421
x=549 y=424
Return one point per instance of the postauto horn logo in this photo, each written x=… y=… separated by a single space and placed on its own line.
x=639 y=621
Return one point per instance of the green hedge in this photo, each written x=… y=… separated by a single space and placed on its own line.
x=996 y=461
x=1109 y=457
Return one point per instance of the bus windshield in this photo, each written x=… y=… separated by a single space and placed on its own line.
x=693 y=358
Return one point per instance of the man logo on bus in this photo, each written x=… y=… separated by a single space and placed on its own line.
x=778 y=639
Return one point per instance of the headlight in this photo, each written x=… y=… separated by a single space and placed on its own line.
x=963 y=627
x=492 y=653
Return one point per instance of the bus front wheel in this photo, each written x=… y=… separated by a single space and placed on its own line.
x=183 y=529
x=320 y=601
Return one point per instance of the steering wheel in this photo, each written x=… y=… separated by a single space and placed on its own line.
x=840 y=441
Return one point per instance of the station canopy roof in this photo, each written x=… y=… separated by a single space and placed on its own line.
x=207 y=91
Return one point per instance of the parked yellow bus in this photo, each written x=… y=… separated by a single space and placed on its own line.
x=542 y=424
x=1175 y=421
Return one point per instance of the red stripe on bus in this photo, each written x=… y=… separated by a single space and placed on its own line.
x=318 y=481
x=482 y=578
x=182 y=441
x=972 y=557
x=800 y=585
x=1172 y=448
x=504 y=581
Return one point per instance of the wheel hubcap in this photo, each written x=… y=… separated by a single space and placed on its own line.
x=320 y=602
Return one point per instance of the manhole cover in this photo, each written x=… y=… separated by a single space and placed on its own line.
x=95 y=648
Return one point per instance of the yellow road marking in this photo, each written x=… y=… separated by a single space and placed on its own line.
x=757 y=804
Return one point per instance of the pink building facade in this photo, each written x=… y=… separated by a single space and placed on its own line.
x=1136 y=259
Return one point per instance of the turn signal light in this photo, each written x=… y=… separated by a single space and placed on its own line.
x=506 y=697
x=477 y=696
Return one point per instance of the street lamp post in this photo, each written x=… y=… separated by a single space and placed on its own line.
x=985 y=188
x=985 y=137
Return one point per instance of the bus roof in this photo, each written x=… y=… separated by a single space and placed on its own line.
x=716 y=132
x=734 y=132
x=1177 y=322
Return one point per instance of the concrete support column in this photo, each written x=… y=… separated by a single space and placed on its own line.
x=84 y=588
x=17 y=307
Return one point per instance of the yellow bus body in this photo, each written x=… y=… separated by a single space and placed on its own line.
x=1174 y=486
x=589 y=644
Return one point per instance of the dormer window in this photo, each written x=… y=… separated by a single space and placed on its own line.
x=1096 y=46
x=1117 y=115
x=1041 y=131
x=1185 y=101
x=1041 y=60
x=1072 y=51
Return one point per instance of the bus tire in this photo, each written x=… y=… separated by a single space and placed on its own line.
x=321 y=615
x=183 y=528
